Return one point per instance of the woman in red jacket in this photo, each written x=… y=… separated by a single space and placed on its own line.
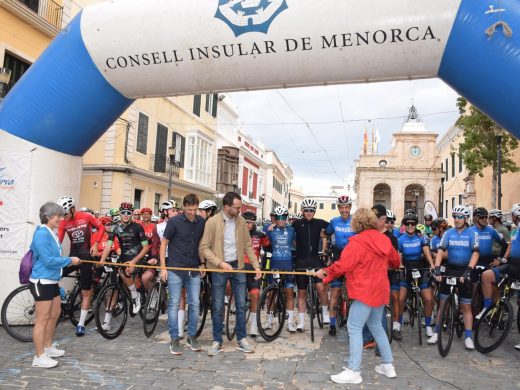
x=365 y=262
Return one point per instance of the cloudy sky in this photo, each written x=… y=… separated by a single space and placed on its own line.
x=322 y=152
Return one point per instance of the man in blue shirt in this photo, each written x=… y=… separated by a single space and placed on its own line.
x=462 y=245
x=181 y=237
x=339 y=229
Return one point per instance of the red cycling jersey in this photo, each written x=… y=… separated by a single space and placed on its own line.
x=79 y=230
x=258 y=240
x=103 y=242
x=150 y=231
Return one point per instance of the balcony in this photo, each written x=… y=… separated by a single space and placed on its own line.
x=48 y=10
x=161 y=164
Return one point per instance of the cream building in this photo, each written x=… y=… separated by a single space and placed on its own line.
x=296 y=196
x=279 y=177
x=406 y=176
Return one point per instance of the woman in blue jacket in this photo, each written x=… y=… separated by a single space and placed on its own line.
x=45 y=275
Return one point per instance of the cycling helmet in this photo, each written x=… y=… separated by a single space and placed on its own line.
x=266 y=221
x=116 y=219
x=126 y=206
x=515 y=210
x=495 y=213
x=84 y=209
x=298 y=216
x=409 y=211
x=428 y=217
x=154 y=218
x=508 y=225
x=146 y=210
x=480 y=212
x=137 y=212
x=169 y=204
x=343 y=200
x=280 y=211
x=113 y=212
x=440 y=223
x=207 y=204
x=309 y=204
x=390 y=215
x=464 y=210
x=249 y=216
x=67 y=203
x=410 y=216
x=105 y=220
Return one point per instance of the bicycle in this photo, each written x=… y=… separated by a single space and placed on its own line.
x=153 y=305
x=271 y=312
x=477 y=298
x=313 y=303
x=343 y=306
x=414 y=303
x=114 y=299
x=231 y=322
x=494 y=324
x=18 y=309
x=451 y=318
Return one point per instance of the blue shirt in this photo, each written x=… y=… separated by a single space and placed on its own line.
x=281 y=241
x=460 y=246
x=184 y=237
x=515 y=248
x=434 y=243
x=486 y=236
x=412 y=247
x=341 y=230
x=397 y=232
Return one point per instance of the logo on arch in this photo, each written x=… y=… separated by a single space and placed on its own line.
x=244 y=16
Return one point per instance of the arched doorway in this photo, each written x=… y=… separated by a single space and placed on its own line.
x=383 y=195
x=414 y=199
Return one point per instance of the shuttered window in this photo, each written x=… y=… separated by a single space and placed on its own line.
x=142 y=133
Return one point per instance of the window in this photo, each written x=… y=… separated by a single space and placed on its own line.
x=322 y=206
x=142 y=133
x=196 y=104
x=245 y=178
x=460 y=162
x=198 y=161
x=211 y=104
x=137 y=198
x=446 y=212
x=453 y=165
x=156 y=203
x=333 y=206
x=452 y=202
x=18 y=68
x=446 y=171
x=460 y=199
x=179 y=143
x=160 y=148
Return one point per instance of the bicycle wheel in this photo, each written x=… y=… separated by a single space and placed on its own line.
x=319 y=309
x=152 y=308
x=494 y=326
x=339 y=311
x=477 y=300
x=18 y=314
x=310 y=304
x=111 y=301
x=231 y=318
x=74 y=306
x=204 y=307
x=388 y=318
x=518 y=319
x=270 y=316
x=446 y=327
x=459 y=328
x=410 y=307
x=419 y=313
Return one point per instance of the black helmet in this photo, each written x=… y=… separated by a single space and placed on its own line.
x=249 y=216
x=410 y=216
x=440 y=223
x=480 y=212
x=428 y=217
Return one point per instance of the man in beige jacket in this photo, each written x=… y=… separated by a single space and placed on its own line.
x=224 y=244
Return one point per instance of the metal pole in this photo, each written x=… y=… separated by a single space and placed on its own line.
x=499 y=171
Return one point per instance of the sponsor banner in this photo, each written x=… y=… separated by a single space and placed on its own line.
x=429 y=208
x=164 y=47
x=14 y=202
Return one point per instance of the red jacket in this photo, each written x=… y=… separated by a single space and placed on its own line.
x=365 y=262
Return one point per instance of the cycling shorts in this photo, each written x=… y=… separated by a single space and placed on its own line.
x=424 y=280
x=252 y=284
x=464 y=290
x=509 y=269
x=395 y=280
x=44 y=292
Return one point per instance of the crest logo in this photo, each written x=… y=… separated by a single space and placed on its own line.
x=244 y=16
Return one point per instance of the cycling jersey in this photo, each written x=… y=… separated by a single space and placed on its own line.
x=341 y=231
x=460 y=246
x=258 y=240
x=396 y=232
x=506 y=234
x=281 y=241
x=515 y=249
x=411 y=247
x=434 y=244
x=486 y=236
x=103 y=242
x=148 y=229
x=131 y=238
x=79 y=230
x=308 y=239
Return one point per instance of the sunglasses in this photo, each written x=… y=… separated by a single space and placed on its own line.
x=281 y=217
x=458 y=216
x=482 y=217
x=389 y=221
x=434 y=229
x=410 y=224
x=125 y=212
x=309 y=210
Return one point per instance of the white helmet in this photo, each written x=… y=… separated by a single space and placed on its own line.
x=280 y=210
x=298 y=216
x=66 y=202
x=207 y=204
x=154 y=218
x=390 y=214
x=464 y=210
x=309 y=203
x=515 y=210
x=116 y=219
x=169 y=204
x=495 y=213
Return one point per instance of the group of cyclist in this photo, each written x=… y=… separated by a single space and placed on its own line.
x=301 y=241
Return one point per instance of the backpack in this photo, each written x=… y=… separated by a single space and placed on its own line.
x=26 y=266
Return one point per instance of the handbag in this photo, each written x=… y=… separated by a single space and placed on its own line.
x=24 y=274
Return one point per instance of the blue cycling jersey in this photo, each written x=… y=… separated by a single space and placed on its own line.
x=460 y=246
x=515 y=248
x=411 y=247
x=486 y=236
x=397 y=233
x=434 y=243
x=281 y=240
x=341 y=230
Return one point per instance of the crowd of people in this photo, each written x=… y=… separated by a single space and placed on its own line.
x=362 y=250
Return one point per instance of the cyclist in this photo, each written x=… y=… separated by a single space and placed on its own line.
x=495 y=220
x=134 y=246
x=149 y=228
x=281 y=238
x=341 y=232
x=79 y=226
x=486 y=237
x=439 y=227
x=462 y=245
x=258 y=240
x=390 y=224
x=136 y=216
x=107 y=223
x=393 y=234
x=414 y=250
x=207 y=209
x=428 y=222
x=309 y=231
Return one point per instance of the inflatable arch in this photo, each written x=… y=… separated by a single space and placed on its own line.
x=118 y=51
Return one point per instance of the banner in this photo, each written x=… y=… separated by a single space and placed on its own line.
x=429 y=208
x=14 y=203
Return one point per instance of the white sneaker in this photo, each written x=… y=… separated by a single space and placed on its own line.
x=136 y=304
x=517 y=347
x=326 y=318
x=269 y=323
x=44 y=362
x=253 y=330
x=433 y=339
x=53 y=351
x=299 y=328
x=387 y=370
x=468 y=342
x=291 y=328
x=347 y=376
x=429 y=331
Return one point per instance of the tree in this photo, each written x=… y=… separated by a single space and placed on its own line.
x=479 y=148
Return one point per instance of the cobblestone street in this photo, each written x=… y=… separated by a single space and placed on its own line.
x=292 y=362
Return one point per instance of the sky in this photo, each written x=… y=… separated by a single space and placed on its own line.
x=318 y=131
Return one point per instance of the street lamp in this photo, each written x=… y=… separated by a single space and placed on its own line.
x=262 y=200
x=171 y=153
x=5 y=76
x=499 y=134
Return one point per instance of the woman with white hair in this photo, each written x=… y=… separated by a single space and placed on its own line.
x=45 y=275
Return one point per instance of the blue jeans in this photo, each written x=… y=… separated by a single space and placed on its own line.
x=359 y=315
x=218 y=290
x=175 y=284
x=367 y=336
